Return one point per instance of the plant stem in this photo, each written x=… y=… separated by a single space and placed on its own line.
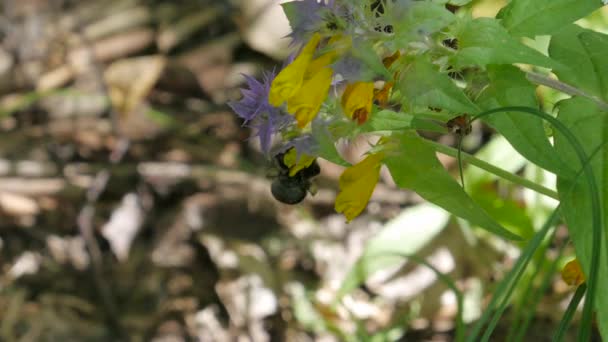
x=452 y=152
x=564 y=88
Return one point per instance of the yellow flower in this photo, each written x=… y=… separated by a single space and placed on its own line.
x=572 y=273
x=305 y=82
x=306 y=103
x=296 y=164
x=357 y=184
x=290 y=79
x=357 y=101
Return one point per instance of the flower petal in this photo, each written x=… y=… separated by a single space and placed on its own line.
x=290 y=79
x=573 y=274
x=305 y=104
x=357 y=184
x=357 y=100
x=255 y=98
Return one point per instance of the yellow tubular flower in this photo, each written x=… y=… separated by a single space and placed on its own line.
x=290 y=79
x=357 y=100
x=319 y=64
x=357 y=184
x=294 y=164
x=572 y=273
x=305 y=104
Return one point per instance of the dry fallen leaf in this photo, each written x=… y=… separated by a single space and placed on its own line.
x=130 y=80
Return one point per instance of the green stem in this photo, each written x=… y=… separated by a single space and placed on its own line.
x=564 y=88
x=452 y=152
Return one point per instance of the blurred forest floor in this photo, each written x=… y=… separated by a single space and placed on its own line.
x=133 y=205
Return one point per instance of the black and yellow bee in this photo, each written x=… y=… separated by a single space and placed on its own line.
x=292 y=189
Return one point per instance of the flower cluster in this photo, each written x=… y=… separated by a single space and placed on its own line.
x=329 y=89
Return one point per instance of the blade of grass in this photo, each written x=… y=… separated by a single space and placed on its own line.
x=596 y=214
x=538 y=293
x=549 y=275
x=565 y=322
x=505 y=287
x=528 y=301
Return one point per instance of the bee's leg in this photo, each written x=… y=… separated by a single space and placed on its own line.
x=312 y=188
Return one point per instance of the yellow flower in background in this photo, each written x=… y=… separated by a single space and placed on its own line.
x=357 y=184
x=573 y=274
x=357 y=101
x=295 y=164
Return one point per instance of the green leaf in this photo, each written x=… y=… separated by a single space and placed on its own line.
x=459 y=2
x=426 y=125
x=499 y=152
x=542 y=17
x=480 y=185
x=406 y=234
x=483 y=41
x=327 y=146
x=423 y=85
x=504 y=210
x=576 y=67
x=364 y=51
x=415 y=166
x=387 y=120
x=590 y=126
x=416 y=20
x=526 y=133
x=596 y=45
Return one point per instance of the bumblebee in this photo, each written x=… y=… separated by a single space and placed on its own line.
x=292 y=189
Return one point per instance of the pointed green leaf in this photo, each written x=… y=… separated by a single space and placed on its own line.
x=590 y=126
x=483 y=41
x=326 y=144
x=416 y=167
x=423 y=85
x=509 y=87
x=413 y=20
x=541 y=17
x=596 y=45
x=364 y=52
x=387 y=120
x=480 y=185
x=576 y=66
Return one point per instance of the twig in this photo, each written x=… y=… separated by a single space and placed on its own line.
x=564 y=88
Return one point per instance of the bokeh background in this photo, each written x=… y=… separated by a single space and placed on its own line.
x=133 y=206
